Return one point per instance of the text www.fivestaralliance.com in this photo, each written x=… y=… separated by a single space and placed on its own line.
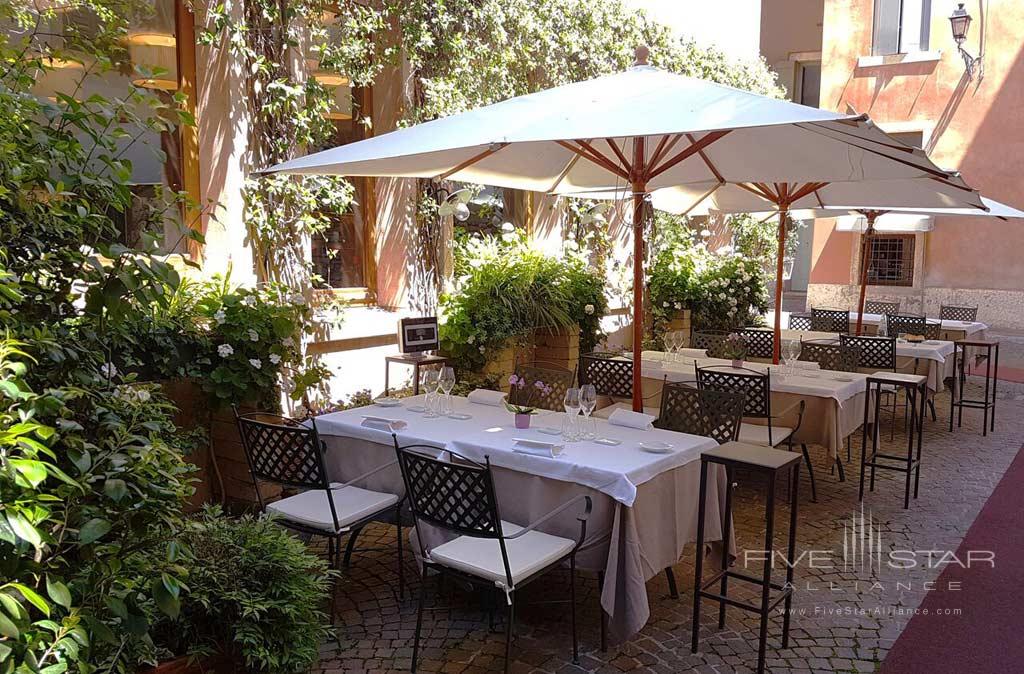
x=882 y=611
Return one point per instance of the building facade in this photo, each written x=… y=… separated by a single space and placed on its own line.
x=897 y=61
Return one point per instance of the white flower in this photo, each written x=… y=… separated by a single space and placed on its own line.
x=589 y=309
x=705 y=233
x=287 y=385
x=256 y=363
x=722 y=296
x=108 y=370
x=249 y=301
x=300 y=412
x=732 y=300
x=678 y=305
x=482 y=349
x=297 y=298
x=287 y=342
x=470 y=339
x=253 y=336
x=220 y=317
x=508 y=238
x=274 y=358
x=571 y=245
x=732 y=311
x=665 y=304
x=225 y=350
x=508 y=227
x=142 y=395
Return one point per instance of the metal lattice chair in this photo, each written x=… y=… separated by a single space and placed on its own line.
x=558 y=379
x=281 y=451
x=612 y=377
x=877 y=353
x=714 y=414
x=933 y=330
x=949 y=312
x=904 y=324
x=830 y=355
x=830 y=320
x=757 y=404
x=760 y=342
x=457 y=496
x=711 y=341
x=800 y=322
x=881 y=307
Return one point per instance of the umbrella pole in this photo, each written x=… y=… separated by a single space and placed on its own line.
x=639 y=192
x=777 y=347
x=864 y=251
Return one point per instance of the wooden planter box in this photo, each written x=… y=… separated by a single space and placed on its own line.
x=226 y=443
x=560 y=348
x=193 y=412
x=503 y=363
x=681 y=322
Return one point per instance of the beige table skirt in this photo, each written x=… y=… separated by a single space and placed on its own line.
x=936 y=372
x=630 y=545
x=825 y=422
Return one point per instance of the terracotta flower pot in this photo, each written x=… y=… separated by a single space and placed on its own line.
x=737 y=362
x=523 y=420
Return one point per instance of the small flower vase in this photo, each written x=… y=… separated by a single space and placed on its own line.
x=523 y=420
x=737 y=362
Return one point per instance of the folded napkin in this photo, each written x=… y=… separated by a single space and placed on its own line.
x=482 y=396
x=383 y=423
x=621 y=417
x=805 y=365
x=537 y=447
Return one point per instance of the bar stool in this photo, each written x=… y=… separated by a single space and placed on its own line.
x=915 y=387
x=769 y=462
x=956 y=398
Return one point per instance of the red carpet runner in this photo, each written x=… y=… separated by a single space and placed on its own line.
x=987 y=636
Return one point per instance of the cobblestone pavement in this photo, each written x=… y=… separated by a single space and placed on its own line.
x=845 y=619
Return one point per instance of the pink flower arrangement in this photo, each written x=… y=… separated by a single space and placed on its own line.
x=520 y=383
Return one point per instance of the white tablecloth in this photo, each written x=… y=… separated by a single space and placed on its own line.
x=613 y=470
x=967 y=327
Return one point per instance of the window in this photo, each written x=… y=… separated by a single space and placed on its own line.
x=810 y=84
x=342 y=257
x=901 y=26
x=891 y=260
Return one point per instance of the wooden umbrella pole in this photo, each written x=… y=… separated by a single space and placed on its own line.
x=639 y=185
x=779 y=259
x=864 y=252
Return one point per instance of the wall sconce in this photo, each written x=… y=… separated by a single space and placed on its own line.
x=960 y=23
x=152 y=44
x=450 y=203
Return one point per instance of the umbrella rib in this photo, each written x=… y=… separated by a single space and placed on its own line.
x=688 y=152
x=472 y=160
x=758 y=191
x=804 y=191
x=599 y=159
x=597 y=153
x=702 y=198
x=656 y=157
x=561 y=176
x=618 y=153
x=704 y=156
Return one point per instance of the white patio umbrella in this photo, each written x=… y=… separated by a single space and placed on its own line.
x=644 y=129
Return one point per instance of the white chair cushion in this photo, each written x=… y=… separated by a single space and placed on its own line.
x=606 y=412
x=481 y=557
x=756 y=434
x=351 y=504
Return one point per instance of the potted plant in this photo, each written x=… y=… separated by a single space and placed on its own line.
x=526 y=409
x=735 y=347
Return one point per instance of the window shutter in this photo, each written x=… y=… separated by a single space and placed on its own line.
x=886 y=36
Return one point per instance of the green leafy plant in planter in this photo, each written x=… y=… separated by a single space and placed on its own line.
x=510 y=288
x=254 y=594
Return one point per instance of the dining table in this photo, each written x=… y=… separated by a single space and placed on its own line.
x=834 y=400
x=643 y=482
x=950 y=330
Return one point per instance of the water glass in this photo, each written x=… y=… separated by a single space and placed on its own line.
x=588 y=401
x=430 y=379
x=446 y=382
x=571 y=403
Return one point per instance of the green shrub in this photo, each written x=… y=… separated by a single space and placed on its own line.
x=508 y=288
x=254 y=592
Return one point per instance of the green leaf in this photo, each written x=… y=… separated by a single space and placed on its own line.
x=115 y=489
x=164 y=598
x=58 y=592
x=117 y=607
x=7 y=628
x=93 y=530
x=24 y=529
x=32 y=596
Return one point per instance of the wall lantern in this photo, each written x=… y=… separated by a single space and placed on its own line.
x=152 y=44
x=960 y=23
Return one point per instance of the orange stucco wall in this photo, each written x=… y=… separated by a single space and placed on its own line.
x=974 y=125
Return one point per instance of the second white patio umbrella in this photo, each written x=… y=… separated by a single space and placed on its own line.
x=643 y=129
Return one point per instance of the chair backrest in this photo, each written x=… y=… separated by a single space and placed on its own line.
x=830 y=320
x=800 y=322
x=712 y=341
x=897 y=324
x=610 y=374
x=282 y=451
x=876 y=353
x=707 y=412
x=755 y=387
x=881 y=307
x=933 y=329
x=949 y=312
x=830 y=355
x=558 y=380
x=760 y=342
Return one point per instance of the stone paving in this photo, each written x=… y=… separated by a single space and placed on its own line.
x=847 y=611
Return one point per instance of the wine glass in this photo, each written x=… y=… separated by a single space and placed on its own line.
x=588 y=401
x=430 y=379
x=571 y=402
x=446 y=382
x=792 y=352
